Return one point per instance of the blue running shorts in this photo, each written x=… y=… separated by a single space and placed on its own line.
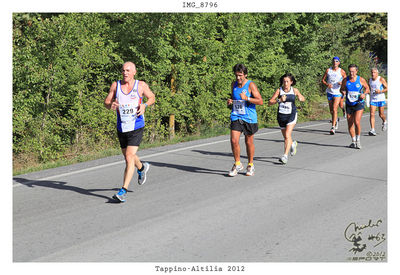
x=378 y=103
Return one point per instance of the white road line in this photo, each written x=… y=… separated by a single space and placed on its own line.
x=153 y=155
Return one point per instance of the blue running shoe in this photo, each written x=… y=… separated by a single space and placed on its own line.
x=142 y=174
x=120 y=196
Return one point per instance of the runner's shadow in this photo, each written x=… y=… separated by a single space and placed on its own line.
x=305 y=142
x=209 y=153
x=322 y=144
x=263 y=159
x=191 y=169
x=273 y=160
x=62 y=185
x=315 y=131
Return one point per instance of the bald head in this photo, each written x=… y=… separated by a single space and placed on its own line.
x=128 y=71
x=129 y=64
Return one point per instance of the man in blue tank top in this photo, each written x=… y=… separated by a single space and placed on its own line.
x=126 y=98
x=352 y=89
x=245 y=97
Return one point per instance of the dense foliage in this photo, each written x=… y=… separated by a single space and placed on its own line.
x=64 y=64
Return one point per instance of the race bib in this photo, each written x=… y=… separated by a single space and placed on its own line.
x=239 y=107
x=353 y=96
x=285 y=108
x=128 y=115
x=332 y=79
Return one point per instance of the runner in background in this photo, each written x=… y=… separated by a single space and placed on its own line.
x=378 y=88
x=333 y=79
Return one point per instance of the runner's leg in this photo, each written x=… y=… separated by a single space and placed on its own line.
x=382 y=113
x=335 y=104
x=330 y=103
x=287 y=135
x=235 y=136
x=131 y=161
x=250 y=148
x=357 y=121
x=350 y=124
x=372 y=116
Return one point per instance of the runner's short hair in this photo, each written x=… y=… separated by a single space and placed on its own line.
x=240 y=68
x=353 y=66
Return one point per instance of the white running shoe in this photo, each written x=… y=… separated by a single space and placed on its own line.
x=293 y=148
x=284 y=159
x=372 y=132
x=235 y=169
x=384 y=126
x=250 y=170
x=332 y=132
x=337 y=124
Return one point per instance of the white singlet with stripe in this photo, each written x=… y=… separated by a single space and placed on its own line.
x=334 y=77
x=376 y=85
x=127 y=120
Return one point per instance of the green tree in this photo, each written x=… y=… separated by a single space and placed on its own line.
x=58 y=78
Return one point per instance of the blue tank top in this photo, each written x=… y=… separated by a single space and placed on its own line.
x=354 y=90
x=241 y=109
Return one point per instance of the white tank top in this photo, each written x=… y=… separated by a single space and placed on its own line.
x=334 y=77
x=127 y=120
x=376 y=85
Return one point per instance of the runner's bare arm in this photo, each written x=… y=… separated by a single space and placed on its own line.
x=146 y=92
x=274 y=98
x=365 y=85
x=230 y=100
x=324 y=79
x=110 y=102
x=299 y=95
x=343 y=87
x=256 y=96
x=385 y=86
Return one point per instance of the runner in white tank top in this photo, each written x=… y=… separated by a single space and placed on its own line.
x=378 y=87
x=333 y=78
x=126 y=98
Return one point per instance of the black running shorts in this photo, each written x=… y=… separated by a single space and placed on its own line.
x=131 y=138
x=352 y=109
x=244 y=127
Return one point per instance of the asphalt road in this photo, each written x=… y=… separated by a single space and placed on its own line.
x=189 y=210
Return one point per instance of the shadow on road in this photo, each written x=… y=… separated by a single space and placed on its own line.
x=62 y=185
x=305 y=142
x=316 y=131
x=274 y=160
x=223 y=154
x=192 y=169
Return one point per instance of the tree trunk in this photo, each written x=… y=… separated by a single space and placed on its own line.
x=172 y=116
